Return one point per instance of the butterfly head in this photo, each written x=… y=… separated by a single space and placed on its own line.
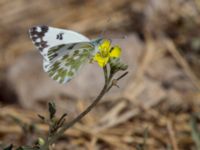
x=97 y=41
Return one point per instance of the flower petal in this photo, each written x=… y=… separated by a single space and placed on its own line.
x=115 y=52
x=102 y=61
x=105 y=47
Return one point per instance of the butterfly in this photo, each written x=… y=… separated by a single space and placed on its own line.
x=64 y=51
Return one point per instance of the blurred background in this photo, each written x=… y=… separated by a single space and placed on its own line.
x=159 y=99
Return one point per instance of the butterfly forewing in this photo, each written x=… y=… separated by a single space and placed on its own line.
x=45 y=37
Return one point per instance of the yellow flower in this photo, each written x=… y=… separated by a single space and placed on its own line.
x=106 y=52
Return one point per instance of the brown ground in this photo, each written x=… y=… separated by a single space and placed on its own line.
x=160 y=96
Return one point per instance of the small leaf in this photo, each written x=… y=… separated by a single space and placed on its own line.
x=61 y=120
x=52 y=110
x=41 y=141
x=123 y=67
x=41 y=117
x=117 y=65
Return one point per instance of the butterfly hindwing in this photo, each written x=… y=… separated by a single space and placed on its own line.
x=63 y=67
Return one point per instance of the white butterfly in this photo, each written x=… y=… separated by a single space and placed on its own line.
x=64 y=51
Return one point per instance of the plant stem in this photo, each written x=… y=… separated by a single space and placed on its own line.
x=105 y=70
x=78 y=118
x=120 y=77
x=107 y=86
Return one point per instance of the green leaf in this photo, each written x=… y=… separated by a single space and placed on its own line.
x=117 y=65
x=41 y=141
x=52 y=110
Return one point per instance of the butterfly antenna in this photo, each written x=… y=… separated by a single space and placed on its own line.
x=121 y=37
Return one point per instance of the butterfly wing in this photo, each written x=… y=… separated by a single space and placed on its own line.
x=63 y=67
x=64 y=51
x=45 y=37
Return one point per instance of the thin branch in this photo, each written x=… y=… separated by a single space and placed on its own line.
x=123 y=75
x=120 y=77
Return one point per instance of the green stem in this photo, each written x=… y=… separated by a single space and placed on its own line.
x=105 y=70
